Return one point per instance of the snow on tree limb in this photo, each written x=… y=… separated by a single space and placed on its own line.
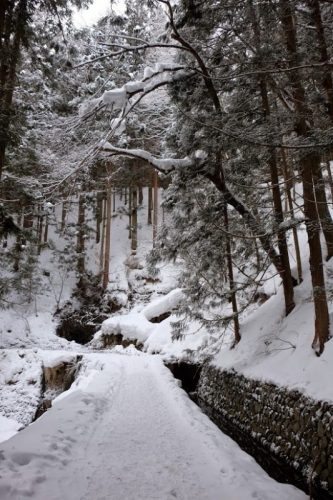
x=117 y=99
x=123 y=49
x=163 y=165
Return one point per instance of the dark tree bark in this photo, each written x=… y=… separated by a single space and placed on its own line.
x=103 y=222
x=327 y=81
x=150 y=204
x=39 y=231
x=288 y=187
x=99 y=216
x=130 y=212
x=80 y=238
x=140 y=195
x=309 y=165
x=46 y=229
x=250 y=220
x=155 y=206
x=287 y=280
x=13 y=21
x=134 y=240
x=64 y=211
x=233 y=297
x=107 y=250
x=330 y=178
x=322 y=208
x=113 y=200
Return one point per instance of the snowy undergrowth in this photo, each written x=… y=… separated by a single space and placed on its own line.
x=20 y=387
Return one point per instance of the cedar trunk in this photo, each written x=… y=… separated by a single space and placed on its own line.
x=106 y=267
x=287 y=280
x=80 y=237
x=309 y=167
x=233 y=297
x=155 y=206
x=134 y=241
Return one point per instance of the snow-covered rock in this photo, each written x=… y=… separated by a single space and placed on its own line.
x=133 y=326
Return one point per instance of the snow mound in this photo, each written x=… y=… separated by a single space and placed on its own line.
x=160 y=341
x=164 y=304
x=155 y=337
x=133 y=326
x=136 y=325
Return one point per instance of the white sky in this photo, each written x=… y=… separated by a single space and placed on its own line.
x=98 y=9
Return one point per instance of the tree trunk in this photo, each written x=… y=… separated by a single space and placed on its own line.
x=101 y=255
x=291 y=212
x=130 y=212
x=18 y=249
x=12 y=25
x=64 y=211
x=40 y=233
x=113 y=200
x=249 y=219
x=99 y=216
x=150 y=204
x=46 y=229
x=140 y=195
x=155 y=206
x=322 y=208
x=134 y=241
x=106 y=267
x=287 y=280
x=80 y=238
x=330 y=178
x=309 y=165
x=316 y=260
x=327 y=81
x=233 y=298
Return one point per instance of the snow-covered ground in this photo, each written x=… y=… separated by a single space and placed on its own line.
x=125 y=430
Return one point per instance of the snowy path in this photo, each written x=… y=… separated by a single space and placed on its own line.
x=127 y=432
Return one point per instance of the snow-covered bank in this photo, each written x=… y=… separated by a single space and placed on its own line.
x=126 y=430
x=277 y=349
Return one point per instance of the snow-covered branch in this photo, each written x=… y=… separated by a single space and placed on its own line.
x=118 y=98
x=124 y=49
x=163 y=165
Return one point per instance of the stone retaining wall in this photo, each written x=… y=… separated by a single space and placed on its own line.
x=289 y=434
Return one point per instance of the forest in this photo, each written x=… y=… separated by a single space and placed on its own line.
x=166 y=186
x=240 y=138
